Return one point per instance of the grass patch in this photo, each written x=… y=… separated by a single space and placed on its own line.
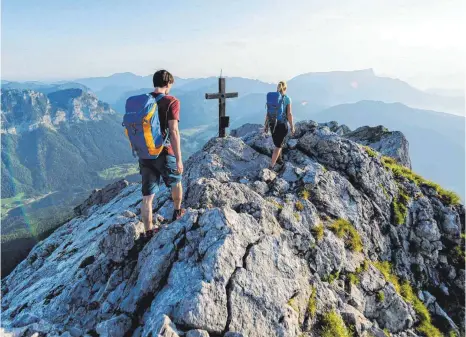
x=386 y=269
x=119 y=171
x=370 y=151
x=458 y=253
x=10 y=203
x=276 y=204
x=380 y=296
x=429 y=330
x=312 y=303
x=292 y=303
x=344 y=229
x=399 y=171
x=363 y=267
x=386 y=332
x=334 y=326
x=299 y=206
x=318 y=231
x=353 y=278
x=384 y=190
x=452 y=333
x=425 y=325
x=305 y=194
x=400 y=208
x=332 y=277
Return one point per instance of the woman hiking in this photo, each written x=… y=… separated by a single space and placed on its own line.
x=277 y=118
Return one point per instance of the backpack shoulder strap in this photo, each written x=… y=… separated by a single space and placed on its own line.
x=158 y=97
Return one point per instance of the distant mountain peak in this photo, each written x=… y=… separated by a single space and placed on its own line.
x=27 y=110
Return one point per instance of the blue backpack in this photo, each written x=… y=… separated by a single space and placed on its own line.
x=142 y=126
x=275 y=109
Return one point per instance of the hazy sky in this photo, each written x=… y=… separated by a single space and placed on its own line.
x=414 y=40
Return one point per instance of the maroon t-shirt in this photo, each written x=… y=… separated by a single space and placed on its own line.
x=169 y=109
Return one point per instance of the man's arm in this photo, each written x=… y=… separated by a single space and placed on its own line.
x=175 y=143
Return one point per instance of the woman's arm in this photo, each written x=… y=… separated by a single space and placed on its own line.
x=289 y=115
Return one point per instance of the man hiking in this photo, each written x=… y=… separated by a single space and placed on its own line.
x=151 y=123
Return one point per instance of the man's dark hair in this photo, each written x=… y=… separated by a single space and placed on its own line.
x=162 y=78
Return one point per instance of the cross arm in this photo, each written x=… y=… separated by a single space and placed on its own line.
x=217 y=95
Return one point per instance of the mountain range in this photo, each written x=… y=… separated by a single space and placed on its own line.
x=61 y=139
x=55 y=140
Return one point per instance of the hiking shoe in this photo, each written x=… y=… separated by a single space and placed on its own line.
x=178 y=213
x=145 y=237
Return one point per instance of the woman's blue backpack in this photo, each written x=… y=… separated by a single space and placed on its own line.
x=275 y=108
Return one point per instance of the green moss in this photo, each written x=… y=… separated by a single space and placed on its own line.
x=299 y=206
x=386 y=332
x=333 y=326
x=370 y=151
x=344 y=229
x=452 y=333
x=380 y=296
x=353 y=278
x=399 y=171
x=297 y=216
x=312 y=303
x=386 y=269
x=318 y=231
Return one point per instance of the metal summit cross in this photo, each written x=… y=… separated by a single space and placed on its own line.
x=224 y=121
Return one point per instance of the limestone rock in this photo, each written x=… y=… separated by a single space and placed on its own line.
x=256 y=253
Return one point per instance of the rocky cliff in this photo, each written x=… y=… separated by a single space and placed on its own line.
x=339 y=241
x=27 y=110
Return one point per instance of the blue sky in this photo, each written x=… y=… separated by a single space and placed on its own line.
x=266 y=39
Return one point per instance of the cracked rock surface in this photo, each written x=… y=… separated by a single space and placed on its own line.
x=254 y=255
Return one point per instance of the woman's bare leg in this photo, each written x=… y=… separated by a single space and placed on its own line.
x=275 y=155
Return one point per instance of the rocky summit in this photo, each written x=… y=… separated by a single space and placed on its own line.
x=342 y=239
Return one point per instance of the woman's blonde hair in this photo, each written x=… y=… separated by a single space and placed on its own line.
x=281 y=87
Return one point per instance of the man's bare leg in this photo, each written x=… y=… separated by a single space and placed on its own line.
x=146 y=211
x=177 y=196
x=275 y=155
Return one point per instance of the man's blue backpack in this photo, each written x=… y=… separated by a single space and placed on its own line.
x=142 y=126
x=275 y=109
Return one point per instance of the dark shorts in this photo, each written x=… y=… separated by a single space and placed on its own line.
x=152 y=169
x=279 y=134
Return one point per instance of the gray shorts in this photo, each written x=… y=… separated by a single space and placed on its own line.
x=152 y=169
